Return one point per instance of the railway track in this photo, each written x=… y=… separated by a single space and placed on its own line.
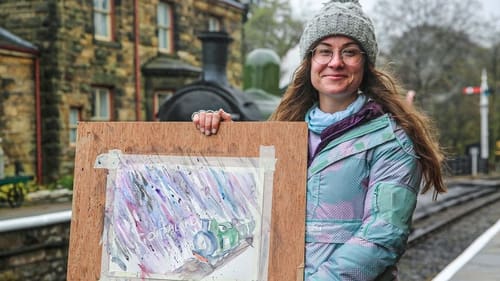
x=442 y=230
x=443 y=213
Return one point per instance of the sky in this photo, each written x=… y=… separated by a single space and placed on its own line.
x=306 y=8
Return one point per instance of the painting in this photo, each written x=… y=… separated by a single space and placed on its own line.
x=186 y=218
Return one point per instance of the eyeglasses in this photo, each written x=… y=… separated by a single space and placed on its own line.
x=349 y=55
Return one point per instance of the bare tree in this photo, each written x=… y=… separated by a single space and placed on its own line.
x=427 y=39
x=393 y=18
x=437 y=47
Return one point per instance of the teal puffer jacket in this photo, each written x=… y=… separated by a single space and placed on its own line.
x=361 y=193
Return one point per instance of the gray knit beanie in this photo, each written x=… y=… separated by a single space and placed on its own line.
x=340 y=17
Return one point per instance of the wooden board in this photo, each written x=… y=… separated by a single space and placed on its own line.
x=235 y=139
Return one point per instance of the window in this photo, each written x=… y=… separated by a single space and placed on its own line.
x=213 y=24
x=159 y=98
x=165 y=41
x=101 y=104
x=102 y=19
x=74 y=117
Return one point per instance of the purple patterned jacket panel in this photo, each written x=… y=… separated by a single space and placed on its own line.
x=361 y=193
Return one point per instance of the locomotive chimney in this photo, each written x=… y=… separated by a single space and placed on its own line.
x=215 y=50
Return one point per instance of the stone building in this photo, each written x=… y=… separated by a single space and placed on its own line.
x=102 y=60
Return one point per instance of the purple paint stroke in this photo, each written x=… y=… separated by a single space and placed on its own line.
x=211 y=189
x=246 y=196
x=228 y=198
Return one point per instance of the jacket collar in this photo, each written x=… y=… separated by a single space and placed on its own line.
x=369 y=111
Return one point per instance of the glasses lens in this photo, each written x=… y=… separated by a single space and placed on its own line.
x=351 y=56
x=324 y=55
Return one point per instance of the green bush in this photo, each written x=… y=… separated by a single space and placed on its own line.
x=65 y=182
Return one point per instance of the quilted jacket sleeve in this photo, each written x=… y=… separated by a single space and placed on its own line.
x=378 y=244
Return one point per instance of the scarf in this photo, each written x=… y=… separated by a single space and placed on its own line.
x=318 y=120
x=369 y=111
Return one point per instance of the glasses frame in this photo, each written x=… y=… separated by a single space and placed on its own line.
x=341 y=55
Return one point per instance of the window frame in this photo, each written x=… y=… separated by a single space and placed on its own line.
x=214 y=23
x=108 y=15
x=73 y=126
x=96 y=103
x=165 y=29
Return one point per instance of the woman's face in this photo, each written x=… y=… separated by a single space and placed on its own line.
x=337 y=80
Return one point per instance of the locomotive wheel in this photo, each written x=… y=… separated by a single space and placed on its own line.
x=205 y=243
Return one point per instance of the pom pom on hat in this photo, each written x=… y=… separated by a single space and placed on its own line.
x=340 y=17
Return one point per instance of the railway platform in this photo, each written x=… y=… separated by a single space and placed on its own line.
x=480 y=261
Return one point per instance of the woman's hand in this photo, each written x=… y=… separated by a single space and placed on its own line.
x=207 y=121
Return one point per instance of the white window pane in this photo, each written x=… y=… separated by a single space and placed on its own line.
x=103 y=105
x=101 y=5
x=102 y=18
x=213 y=24
x=99 y=24
x=164 y=27
x=161 y=14
x=72 y=135
x=104 y=26
x=73 y=116
x=162 y=39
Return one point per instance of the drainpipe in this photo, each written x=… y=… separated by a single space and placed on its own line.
x=38 y=112
x=137 y=62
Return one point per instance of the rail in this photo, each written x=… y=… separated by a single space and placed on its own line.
x=35 y=221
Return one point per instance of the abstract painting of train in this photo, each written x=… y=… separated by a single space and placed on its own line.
x=186 y=218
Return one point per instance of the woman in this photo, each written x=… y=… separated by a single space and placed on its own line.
x=370 y=151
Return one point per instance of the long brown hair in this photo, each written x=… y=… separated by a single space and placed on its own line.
x=386 y=91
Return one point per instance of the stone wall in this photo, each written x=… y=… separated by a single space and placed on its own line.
x=38 y=254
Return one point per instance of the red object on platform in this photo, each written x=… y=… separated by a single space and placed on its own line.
x=472 y=90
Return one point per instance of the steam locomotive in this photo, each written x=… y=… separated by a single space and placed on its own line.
x=213 y=91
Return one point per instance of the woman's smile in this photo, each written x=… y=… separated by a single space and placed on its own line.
x=335 y=77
